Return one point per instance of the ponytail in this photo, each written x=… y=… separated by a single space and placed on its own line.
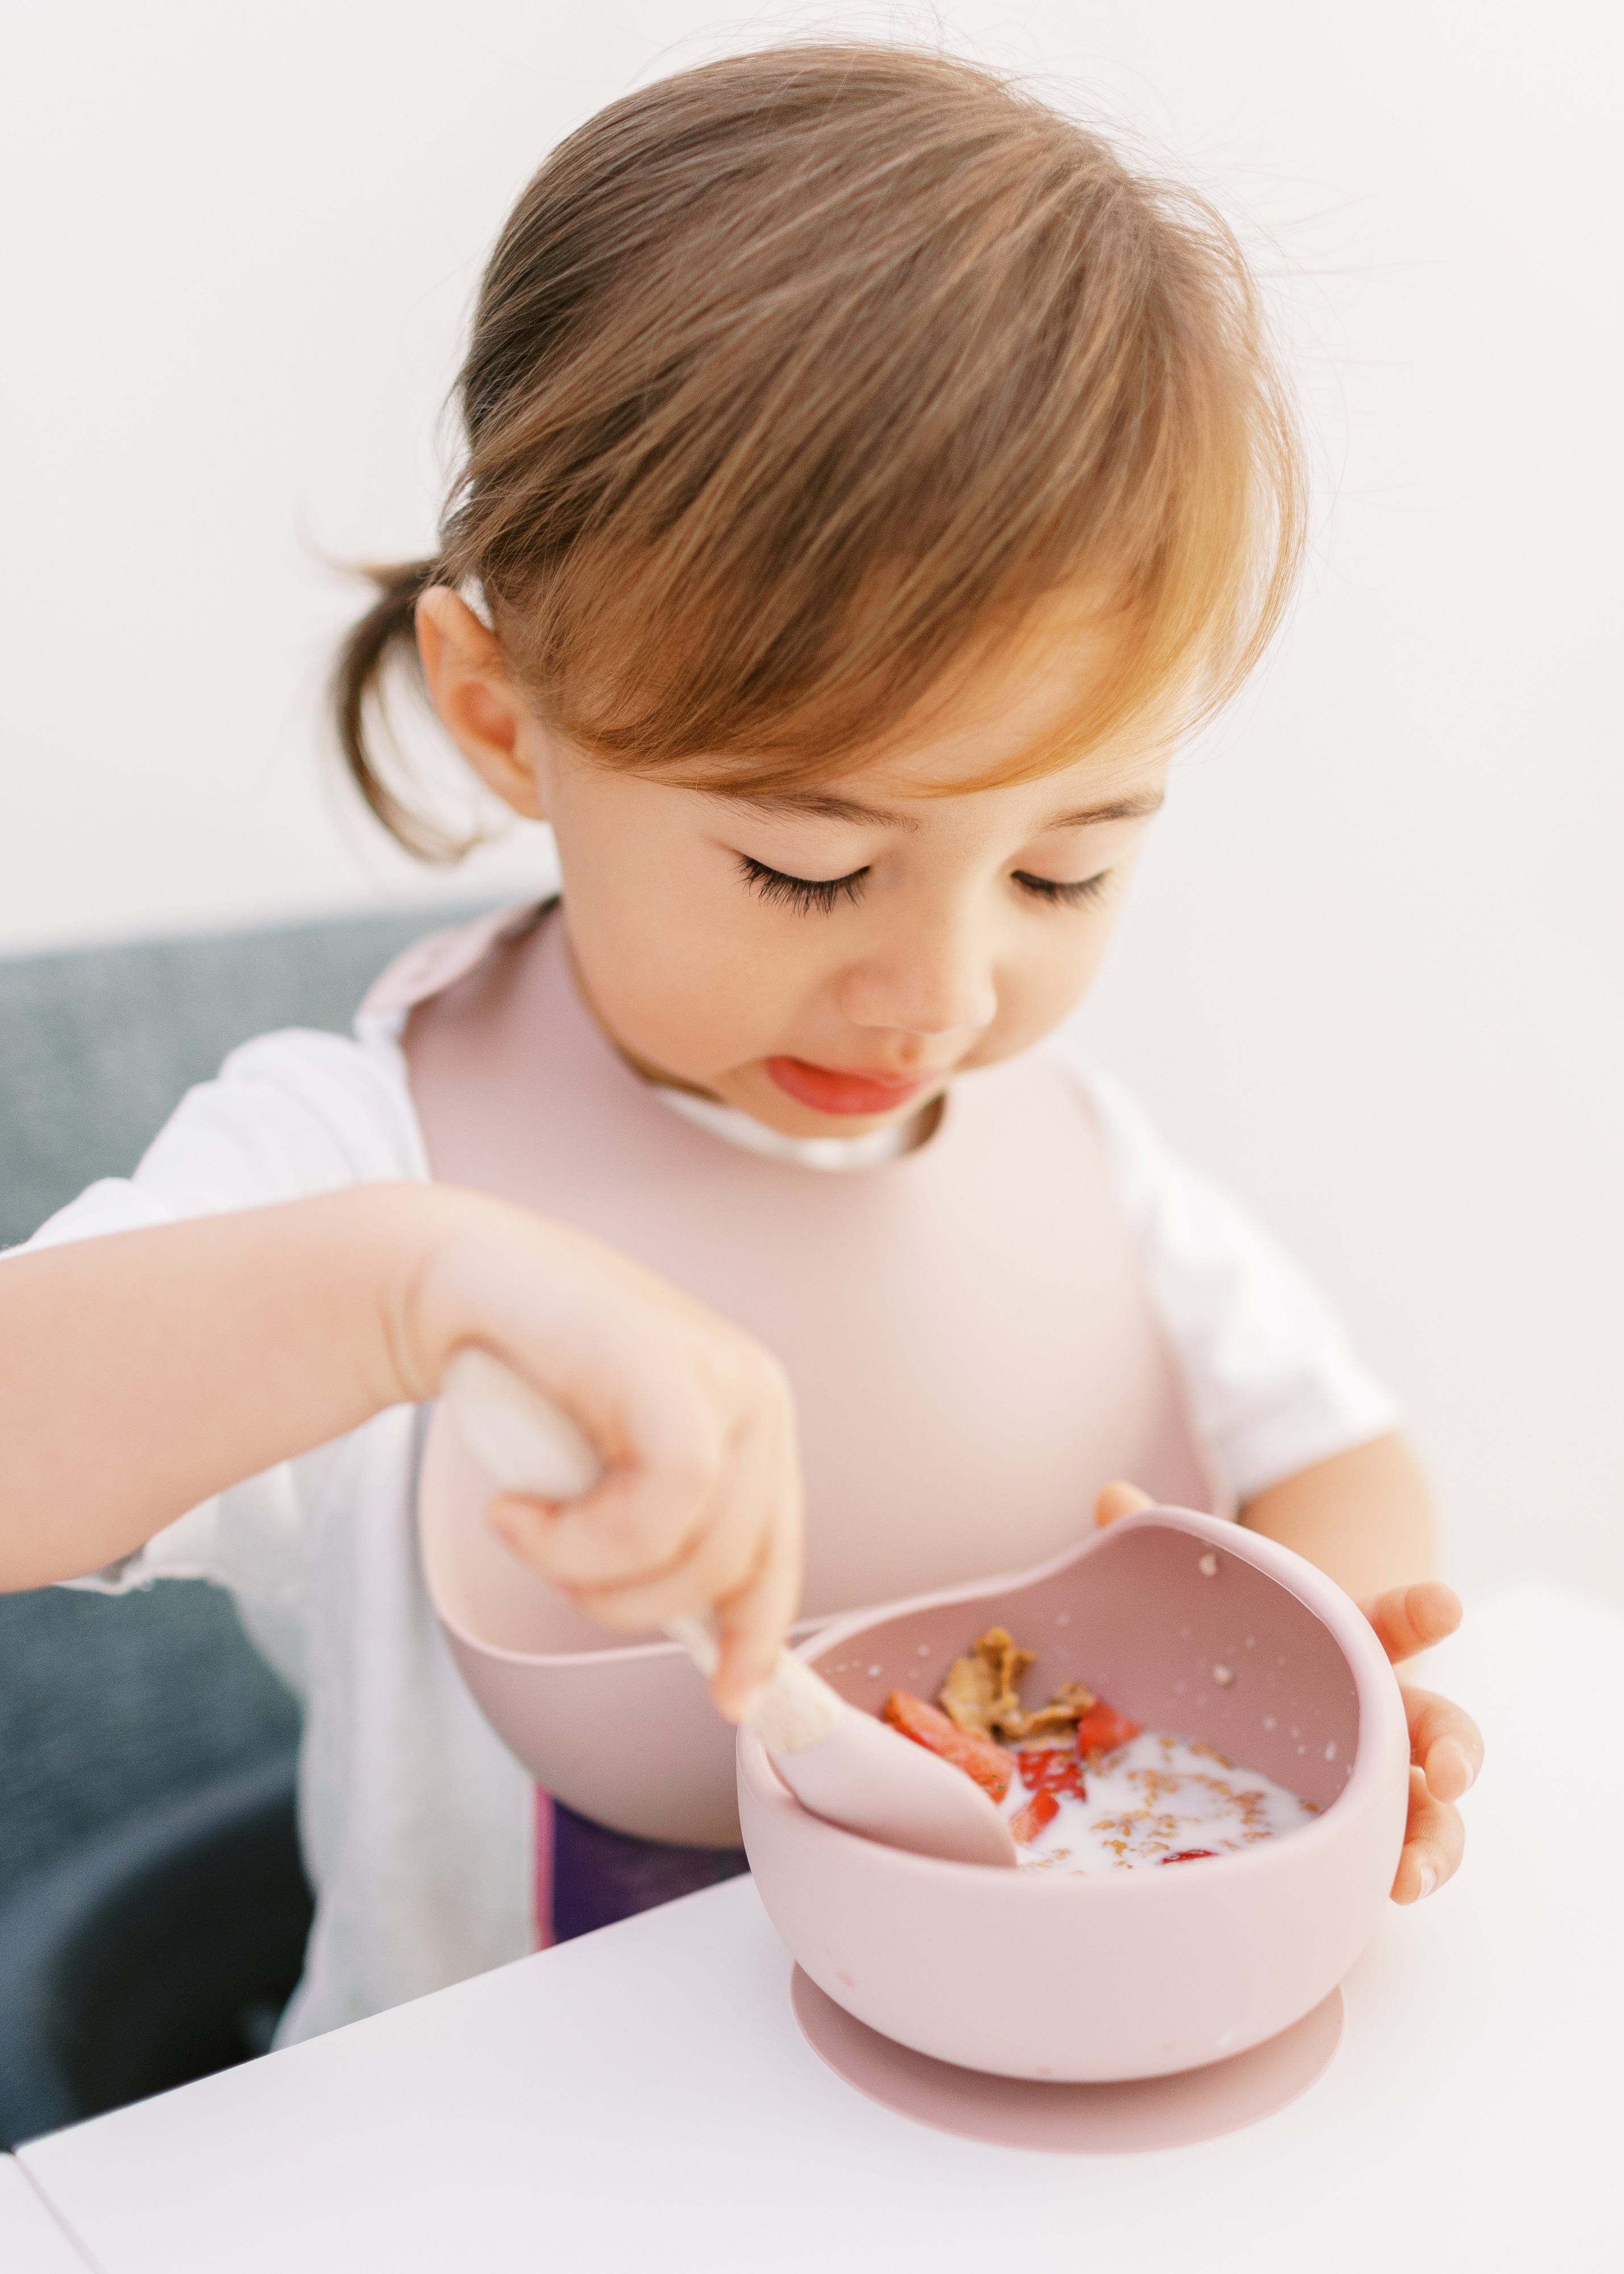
x=386 y=633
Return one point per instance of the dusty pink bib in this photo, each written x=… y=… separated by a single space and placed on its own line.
x=966 y=1330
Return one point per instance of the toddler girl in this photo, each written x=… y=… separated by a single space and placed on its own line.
x=868 y=480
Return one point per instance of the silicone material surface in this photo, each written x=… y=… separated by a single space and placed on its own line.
x=1187 y=1623
x=1072 y=2119
x=873 y=1781
x=997 y=1274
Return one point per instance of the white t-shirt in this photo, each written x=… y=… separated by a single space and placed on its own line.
x=418 y=1827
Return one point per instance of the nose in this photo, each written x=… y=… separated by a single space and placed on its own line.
x=927 y=982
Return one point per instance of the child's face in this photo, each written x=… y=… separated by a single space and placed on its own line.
x=826 y=961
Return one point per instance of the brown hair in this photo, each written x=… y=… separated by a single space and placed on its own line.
x=796 y=378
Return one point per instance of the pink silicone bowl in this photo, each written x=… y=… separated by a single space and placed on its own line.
x=1113 y=1975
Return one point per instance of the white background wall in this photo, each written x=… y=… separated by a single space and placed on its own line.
x=1371 y=975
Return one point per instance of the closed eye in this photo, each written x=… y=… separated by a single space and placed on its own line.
x=807 y=895
x=1065 y=896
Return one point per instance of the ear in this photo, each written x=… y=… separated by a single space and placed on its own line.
x=477 y=703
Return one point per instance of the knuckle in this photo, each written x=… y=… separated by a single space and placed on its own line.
x=776 y=1382
x=678 y=1509
x=761 y=1378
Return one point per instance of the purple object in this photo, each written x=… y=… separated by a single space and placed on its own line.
x=600 y=1876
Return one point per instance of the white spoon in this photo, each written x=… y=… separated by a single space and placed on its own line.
x=840 y=1764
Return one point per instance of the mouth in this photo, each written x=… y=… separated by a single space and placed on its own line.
x=827 y=1089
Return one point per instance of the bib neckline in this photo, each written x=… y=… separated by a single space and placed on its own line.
x=831 y=1155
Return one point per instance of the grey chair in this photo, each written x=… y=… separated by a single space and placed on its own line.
x=145 y=1750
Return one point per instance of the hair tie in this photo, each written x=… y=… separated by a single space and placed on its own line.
x=470 y=591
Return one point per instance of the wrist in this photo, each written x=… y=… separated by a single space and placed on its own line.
x=394 y=1236
x=431 y=1248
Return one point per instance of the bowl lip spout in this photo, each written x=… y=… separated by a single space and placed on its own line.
x=1382 y=1740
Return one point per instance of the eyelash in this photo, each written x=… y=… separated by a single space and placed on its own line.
x=805 y=894
x=1066 y=896
x=811 y=896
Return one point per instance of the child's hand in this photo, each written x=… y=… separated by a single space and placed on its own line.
x=693 y=1419
x=1445 y=1747
x=143 y=1371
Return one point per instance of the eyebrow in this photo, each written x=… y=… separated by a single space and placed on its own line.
x=1117 y=808
x=822 y=807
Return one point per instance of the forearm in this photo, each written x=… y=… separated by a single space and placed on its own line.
x=1366 y=1517
x=143 y=1371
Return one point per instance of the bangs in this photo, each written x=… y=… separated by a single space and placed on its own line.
x=799 y=382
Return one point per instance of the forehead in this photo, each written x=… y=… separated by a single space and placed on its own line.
x=1024 y=775
x=1010 y=726
x=1090 y=793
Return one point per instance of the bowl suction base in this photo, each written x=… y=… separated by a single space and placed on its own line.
x=1071 y=2120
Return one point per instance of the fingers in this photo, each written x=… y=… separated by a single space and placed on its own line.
x=1412 y=1619
x=749 y=1570
x=754 y=1621
x=722 y=1549
x=655 y=1542
x=1119 y=1500
x=637 y=1527
x=1435 y=1840
x=628 y=1556
x=1447 y=1753
x=1445 y=1744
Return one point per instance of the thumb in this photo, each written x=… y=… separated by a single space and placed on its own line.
x=1118 y=1499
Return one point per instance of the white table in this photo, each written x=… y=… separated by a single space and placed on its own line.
x=644 y=2097
x=32 y=2238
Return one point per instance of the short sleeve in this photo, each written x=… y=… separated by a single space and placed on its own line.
x=1273 y=1383
x=290 y=1116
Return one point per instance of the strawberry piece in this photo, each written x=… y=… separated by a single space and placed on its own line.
x=1188 y=1854
x=977 y=1757
x=1051 y=1768
x=1102 y=1728
x=1028 y=1822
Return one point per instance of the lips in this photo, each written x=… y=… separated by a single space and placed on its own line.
x=827 y=1089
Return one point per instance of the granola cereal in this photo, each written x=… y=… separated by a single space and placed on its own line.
x=1086 y=1788
x=982 y=1693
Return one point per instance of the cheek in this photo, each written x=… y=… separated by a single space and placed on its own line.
x=1046 y=978
x=666 y=944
